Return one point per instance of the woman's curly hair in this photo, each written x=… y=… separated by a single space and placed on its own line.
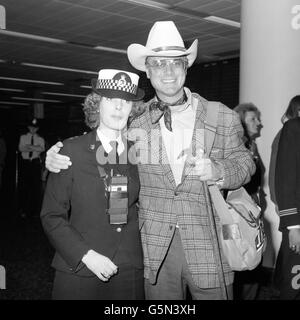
x=91 y=109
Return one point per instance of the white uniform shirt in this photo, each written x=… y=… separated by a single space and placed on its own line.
x=105 y=142
x=27 y=139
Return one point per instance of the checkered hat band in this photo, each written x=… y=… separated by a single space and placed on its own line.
x=115 y=85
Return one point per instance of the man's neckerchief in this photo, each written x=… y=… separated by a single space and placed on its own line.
x=159 y=108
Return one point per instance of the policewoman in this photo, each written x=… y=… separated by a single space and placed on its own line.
x=90 y=210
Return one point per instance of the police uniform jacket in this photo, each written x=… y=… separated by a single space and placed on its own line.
x=74 y=211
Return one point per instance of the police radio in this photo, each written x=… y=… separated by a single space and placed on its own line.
x=117 y=199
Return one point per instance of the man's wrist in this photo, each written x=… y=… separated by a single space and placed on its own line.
x=86 y=256
x=220 y=171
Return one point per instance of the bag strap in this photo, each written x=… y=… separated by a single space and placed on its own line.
x=220 y=205
x=210 y=193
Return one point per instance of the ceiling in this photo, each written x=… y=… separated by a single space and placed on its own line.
x=66 y=42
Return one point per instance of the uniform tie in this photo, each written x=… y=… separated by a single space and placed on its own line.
x=113 y=156
x=31 y=143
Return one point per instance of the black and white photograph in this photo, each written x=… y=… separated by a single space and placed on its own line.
x=149 y=152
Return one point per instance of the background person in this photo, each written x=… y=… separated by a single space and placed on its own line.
x=31 y=145
x=292 y=112
x=287 y=191
x=247 y=283
x=293 y=109
x=250 y=119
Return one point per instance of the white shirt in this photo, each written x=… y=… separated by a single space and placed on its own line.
x=105 y=142
x=25 y=139
x=183 y=121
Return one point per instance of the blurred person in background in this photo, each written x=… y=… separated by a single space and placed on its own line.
x=293 y=109
x=287 y=191
x=31 y=145
x=247 y=283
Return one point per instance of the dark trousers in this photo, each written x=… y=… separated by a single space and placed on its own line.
x=127 y=284
x=287 y=271
x=30 y=187
x=247 y=284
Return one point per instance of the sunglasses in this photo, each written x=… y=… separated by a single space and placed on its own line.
x=160 y=64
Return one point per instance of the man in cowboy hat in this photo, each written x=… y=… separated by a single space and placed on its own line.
x=176 y=235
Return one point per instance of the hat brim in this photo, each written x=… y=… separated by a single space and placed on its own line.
x=110 y=93
x=137 y=54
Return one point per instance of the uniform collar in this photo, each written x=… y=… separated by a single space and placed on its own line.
x=105 y=142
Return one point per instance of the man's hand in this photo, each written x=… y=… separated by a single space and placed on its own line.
x=55 y=161
x=100 y=265
x=294 y=239
x=205 y=168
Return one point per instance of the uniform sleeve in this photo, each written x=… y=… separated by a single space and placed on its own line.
x=287 y=181
x=22 y=143
x=42 y=144
x=237 y=163
x=67 y=241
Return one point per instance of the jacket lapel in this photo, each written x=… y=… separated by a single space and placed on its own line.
x=158 y=151
x=93 y=145
x=164 y=160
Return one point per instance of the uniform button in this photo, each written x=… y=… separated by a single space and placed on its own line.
x=119 y=229
x=176 y=193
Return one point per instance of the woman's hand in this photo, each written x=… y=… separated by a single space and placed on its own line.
x=100 y=265
x=54 y=161
x=294 y=239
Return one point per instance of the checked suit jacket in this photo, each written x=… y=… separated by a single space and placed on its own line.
x=163 y=204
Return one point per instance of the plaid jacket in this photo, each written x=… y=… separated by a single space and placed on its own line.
x=163 y=204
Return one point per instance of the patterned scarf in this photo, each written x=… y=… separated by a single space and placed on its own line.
x=159 y=108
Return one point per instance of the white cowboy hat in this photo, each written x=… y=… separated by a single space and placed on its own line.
x=164 y=40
